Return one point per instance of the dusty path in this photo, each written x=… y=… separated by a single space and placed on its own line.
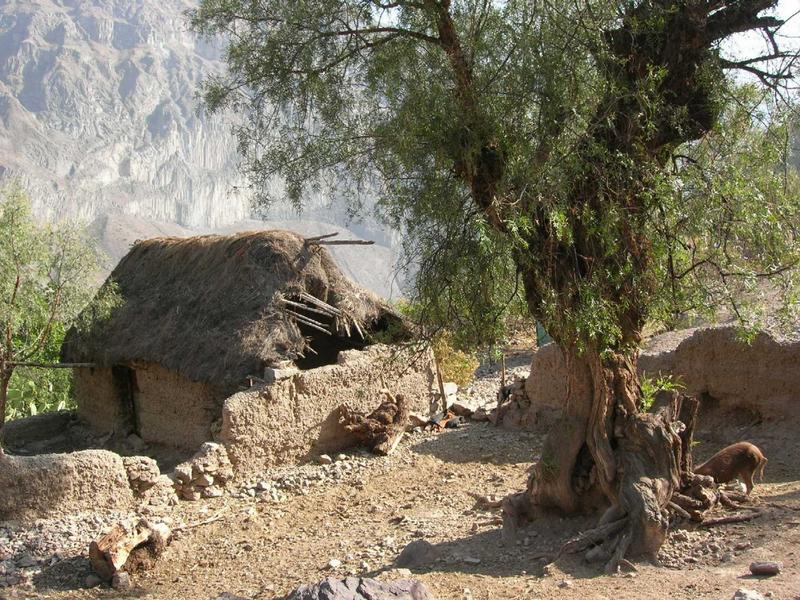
x=260 y=549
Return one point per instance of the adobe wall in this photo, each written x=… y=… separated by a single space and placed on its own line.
x=170 y=409
x=173 y=410
x=763 y=377
x=296 y=418
x=97 y=399
x=47 y=484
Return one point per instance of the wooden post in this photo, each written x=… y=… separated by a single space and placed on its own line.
x=441 y=386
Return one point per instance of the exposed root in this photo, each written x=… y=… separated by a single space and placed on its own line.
x=624 y=542
x=592 y=537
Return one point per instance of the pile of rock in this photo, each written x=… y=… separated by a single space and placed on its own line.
x=513 y=405
x=361 y=588
x=205 y=474
x=147 y=482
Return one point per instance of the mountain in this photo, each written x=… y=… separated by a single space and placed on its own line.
x=99 y=113
x=100 y=121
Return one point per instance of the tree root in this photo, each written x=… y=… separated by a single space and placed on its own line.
x=592 y=537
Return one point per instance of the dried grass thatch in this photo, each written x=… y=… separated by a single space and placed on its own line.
x=221 y=308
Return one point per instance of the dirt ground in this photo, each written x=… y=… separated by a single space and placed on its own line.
x=262 y=545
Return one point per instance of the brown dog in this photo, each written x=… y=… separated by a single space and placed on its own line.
x=742 y=459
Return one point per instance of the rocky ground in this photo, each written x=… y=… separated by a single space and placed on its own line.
x=299 y=524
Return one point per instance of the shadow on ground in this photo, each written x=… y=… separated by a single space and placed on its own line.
x=483 y=443
x=485 y=553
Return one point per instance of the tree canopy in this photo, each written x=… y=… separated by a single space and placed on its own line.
x=478 y=125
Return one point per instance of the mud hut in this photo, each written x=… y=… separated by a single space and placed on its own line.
x=203 y=318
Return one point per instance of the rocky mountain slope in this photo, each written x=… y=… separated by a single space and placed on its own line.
x=99 y=112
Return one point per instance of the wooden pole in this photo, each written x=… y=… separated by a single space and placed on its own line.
x=316 y=238
x=343 y=242
x=441 y=387
x=39 y=365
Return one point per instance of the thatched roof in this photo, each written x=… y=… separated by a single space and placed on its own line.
x=221 y=308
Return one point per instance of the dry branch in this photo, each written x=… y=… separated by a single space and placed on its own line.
x=343 y=243
x=731 y=519
x=308 y=321
x=319 y=303
x=302 y=306
x=317 y=238
x=679 y=511
x=72 y=365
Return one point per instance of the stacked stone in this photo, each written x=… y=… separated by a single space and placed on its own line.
x=515 y=392
x=205 y=474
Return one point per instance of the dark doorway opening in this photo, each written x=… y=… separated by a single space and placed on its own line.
x=124 y=379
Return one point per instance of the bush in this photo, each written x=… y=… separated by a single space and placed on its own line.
x=33 y=391
x=455 y=365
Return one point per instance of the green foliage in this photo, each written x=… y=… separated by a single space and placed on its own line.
x=34 y=391
x=46 y=278
x=650 y=386
x=728 y=218
x=609 y=204
x=455 y=365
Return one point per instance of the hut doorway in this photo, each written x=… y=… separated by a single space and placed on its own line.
x=124 y=380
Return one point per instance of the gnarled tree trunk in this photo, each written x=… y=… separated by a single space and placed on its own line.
x=605 y=453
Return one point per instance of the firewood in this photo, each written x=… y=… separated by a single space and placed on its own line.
x=118 y=548
x=383 y=428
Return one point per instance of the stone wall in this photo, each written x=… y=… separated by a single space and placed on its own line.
x=297 y=417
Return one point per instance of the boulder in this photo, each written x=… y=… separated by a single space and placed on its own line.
x=360 y=588
x=419 y=553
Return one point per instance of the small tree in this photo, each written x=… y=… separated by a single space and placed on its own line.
x=46 y=277
x=567 y=150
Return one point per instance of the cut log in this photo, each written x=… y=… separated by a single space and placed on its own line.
x=383 y=428
x=124 y=548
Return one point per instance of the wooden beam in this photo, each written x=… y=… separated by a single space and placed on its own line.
x=38 y=365
x=317 y=238
x=319 y=303
x=308 y=321
x=343 y=243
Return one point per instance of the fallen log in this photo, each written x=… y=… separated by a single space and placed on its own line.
x=383 y=428
x=129 y=549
